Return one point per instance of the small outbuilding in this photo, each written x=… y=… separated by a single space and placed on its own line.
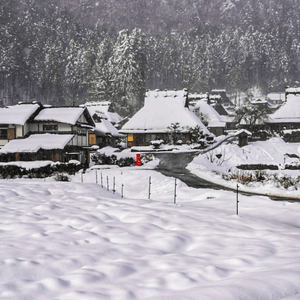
x=243 y=136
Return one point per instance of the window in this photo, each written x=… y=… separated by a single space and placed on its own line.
x=92 y=138
x=49 y=127
x=130 y=137
x=3 y=134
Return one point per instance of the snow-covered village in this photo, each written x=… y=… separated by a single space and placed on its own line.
x=149 y=150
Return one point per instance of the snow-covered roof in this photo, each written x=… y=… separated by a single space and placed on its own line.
x=243 y=131
x=17 y=114
x=197 y=96
x=289 y=112
x=162 y=108
x=259 y=101
x=214 y=119
x=104 y=105
x=218 y=91
x=276 y=96
x=98 y=107
x=36 y=142
x=213 y=97
x=295 y=90
x=106 y=127
x=68 y=115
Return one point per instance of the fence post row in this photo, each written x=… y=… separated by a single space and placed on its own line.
x=149 y=187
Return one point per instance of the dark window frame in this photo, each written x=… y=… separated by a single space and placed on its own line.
x=3 y=133
x=50 y=127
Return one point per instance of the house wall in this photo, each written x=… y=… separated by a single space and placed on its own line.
x=82 y=119
x=64 y=127
x=217 y=131
x=278 y=127
x=231 y=125
x=38 y=127
x=19 y=131
x=9 y=131
x=26 y=129
x=81 y=134
x=79 y=140
x=33 y=127
x=144 y=139
x=3 y=142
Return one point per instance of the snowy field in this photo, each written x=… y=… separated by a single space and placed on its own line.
x=74 y=240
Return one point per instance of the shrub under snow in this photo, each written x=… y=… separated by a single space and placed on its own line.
x=250 y=178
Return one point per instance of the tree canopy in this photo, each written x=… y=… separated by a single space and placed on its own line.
x=70 y=51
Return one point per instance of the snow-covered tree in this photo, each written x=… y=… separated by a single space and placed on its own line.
x=127 y=69
x=99 y=80
x=196 y=134
x=251 y=114
x=174 y=131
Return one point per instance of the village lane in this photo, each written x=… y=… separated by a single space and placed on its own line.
x=174 y=165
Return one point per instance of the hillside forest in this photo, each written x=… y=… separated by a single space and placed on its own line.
x=67 y=52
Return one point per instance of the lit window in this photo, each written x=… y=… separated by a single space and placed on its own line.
x=130 y=137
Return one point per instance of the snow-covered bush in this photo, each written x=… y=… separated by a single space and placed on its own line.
x=156 y=143
x=249 y=178
x=146 y=157
x=103 y=159
x=196 y=134
x=61 y=177
x=8 y=171
x=125 y=162
x=218 y=156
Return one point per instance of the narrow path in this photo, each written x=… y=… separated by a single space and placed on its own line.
x=174 y=165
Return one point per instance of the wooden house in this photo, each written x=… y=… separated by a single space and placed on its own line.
x=220 y=97
x=55 y=133
x=209 y=117
x=15 y=120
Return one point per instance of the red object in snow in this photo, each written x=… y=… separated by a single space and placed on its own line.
x=138 y=160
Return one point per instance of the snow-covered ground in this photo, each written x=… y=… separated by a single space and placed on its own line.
x=271 y=152
x=78 y=240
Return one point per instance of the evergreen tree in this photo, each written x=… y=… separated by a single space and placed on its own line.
x=127 y=71
x=99 y=80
